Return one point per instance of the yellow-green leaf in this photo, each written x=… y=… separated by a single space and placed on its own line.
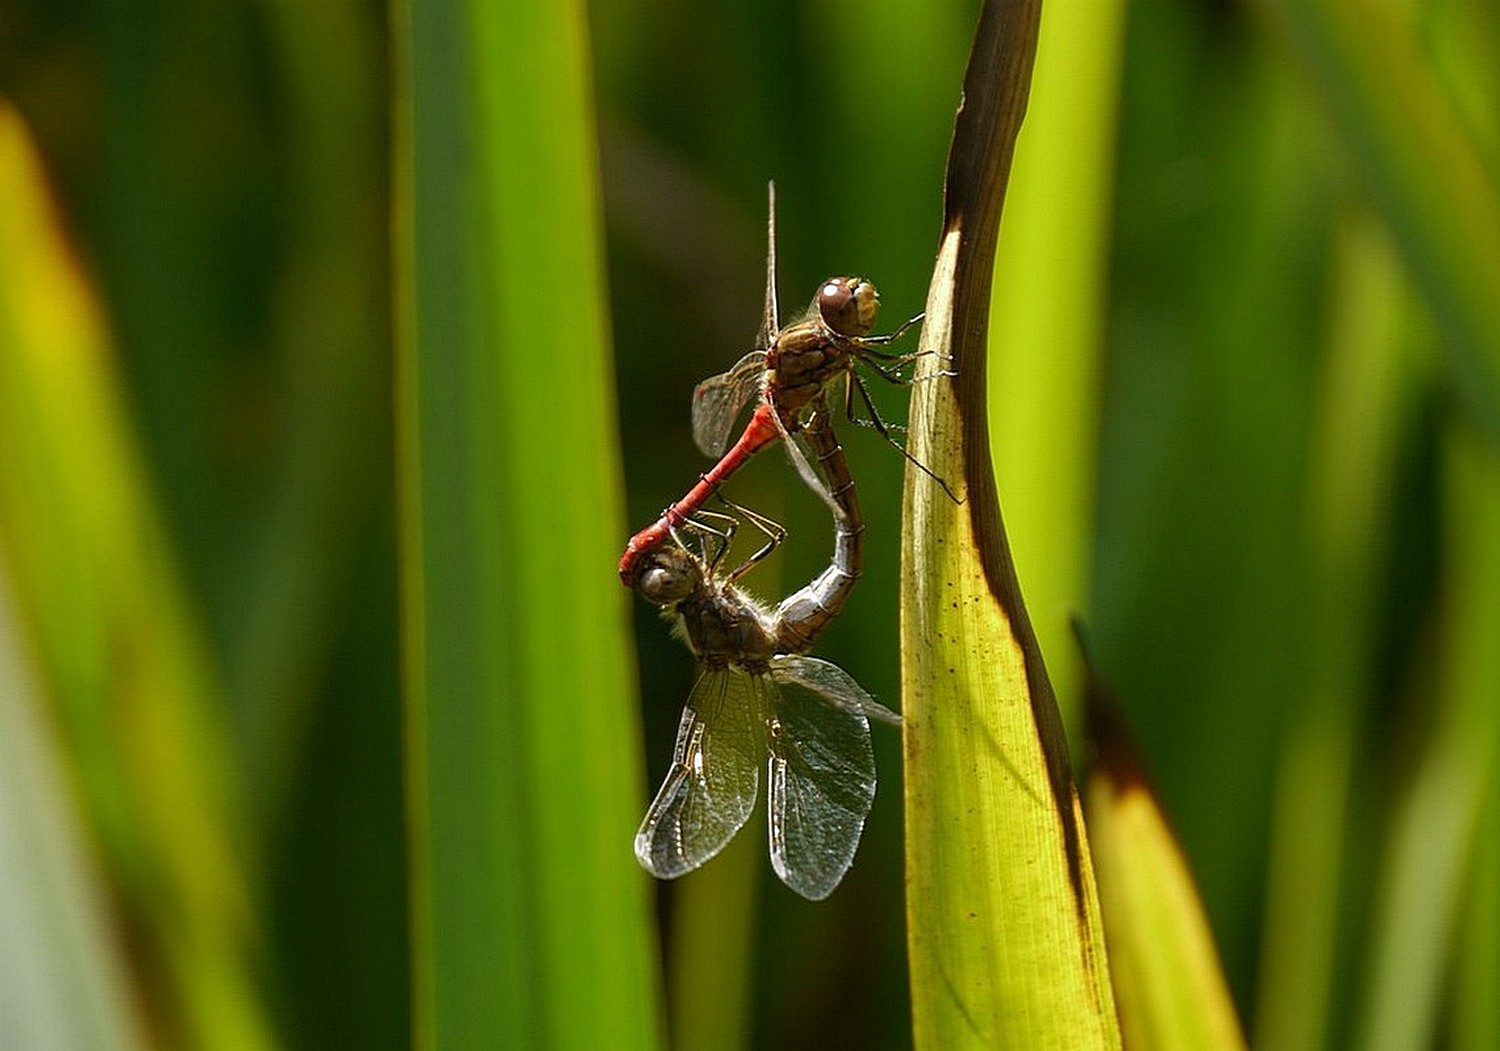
x=1169 y=984
x=1050 y=292
x=122 y=659
x=1006 y=944
x=63 y=981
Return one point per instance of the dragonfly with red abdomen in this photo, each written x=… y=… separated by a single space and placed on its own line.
x=790 y=368
x=760 y=701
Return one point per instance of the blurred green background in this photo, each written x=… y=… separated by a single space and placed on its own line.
x=1245 y=404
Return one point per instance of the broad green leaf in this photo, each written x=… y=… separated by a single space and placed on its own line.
x=1169 y=984
x=530 y=923
x=122 y=659
x=1005 y=939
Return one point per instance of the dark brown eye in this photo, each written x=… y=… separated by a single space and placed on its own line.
x=848 y=305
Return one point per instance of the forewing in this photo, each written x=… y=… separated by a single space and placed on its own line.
x=770 y=323
x=834 y=685
x=805 y=470
x=820 y=782
x=711 y=787
x=717 y=402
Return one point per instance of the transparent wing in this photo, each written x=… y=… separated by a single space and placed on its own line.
x=711 y=787
x=770 y=323
x=820 y=782
x=717 y=402
x=833 y=684
x=805 y=470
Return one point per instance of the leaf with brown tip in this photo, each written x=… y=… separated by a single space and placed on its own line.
x=1006 y=942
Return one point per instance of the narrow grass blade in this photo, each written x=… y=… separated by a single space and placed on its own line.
x=1475 y=1019
x=1049 y=292
x=1438 y=819
x=1168 y=981
x=530 y=922
x=63 y=981
x=1422 y=170
x=123 y=661
x=1365 y=400
x=330 y=354
x=1005 y=939
x=714 y=929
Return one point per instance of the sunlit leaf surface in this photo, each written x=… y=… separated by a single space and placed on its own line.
x=1006 y=946
x=530 y=918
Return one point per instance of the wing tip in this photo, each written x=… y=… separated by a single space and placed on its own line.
x=812 y=890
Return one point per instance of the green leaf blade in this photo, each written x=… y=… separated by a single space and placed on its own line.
x=1423 y=171
x=1048 y=322
x=1006 y=943
x=133 y=689
x=1168 y=981
x=1006 y=946
x=62 y=969
x=531 y=921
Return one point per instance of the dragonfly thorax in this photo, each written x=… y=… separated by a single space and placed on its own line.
x=723 y=625
x=803 y=360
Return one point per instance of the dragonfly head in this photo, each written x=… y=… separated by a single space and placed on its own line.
x=848 y=305
x=668 y=575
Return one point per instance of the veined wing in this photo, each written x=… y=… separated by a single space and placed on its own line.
x=820 y=784
x=711 y=787
x=805 y=469
x=717 y=402
x=833 y=684
x=770 y=322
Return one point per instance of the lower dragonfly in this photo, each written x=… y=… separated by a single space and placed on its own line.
x=760 y=700
x=790 y=370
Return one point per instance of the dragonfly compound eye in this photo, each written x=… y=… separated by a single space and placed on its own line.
x=848 y=305
x=668 y=576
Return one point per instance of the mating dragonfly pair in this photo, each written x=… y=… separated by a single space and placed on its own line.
x=759 y=700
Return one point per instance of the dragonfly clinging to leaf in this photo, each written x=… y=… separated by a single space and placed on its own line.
x=760 y=704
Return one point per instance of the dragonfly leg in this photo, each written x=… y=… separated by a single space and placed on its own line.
x=899 y=360
x=888 y=367
x=876 y=424
x=890 y=373
x=939 y=374
x=880 y=341
x=774 y=531
x=893 y=359
x=884 y=430
x=709 y=529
